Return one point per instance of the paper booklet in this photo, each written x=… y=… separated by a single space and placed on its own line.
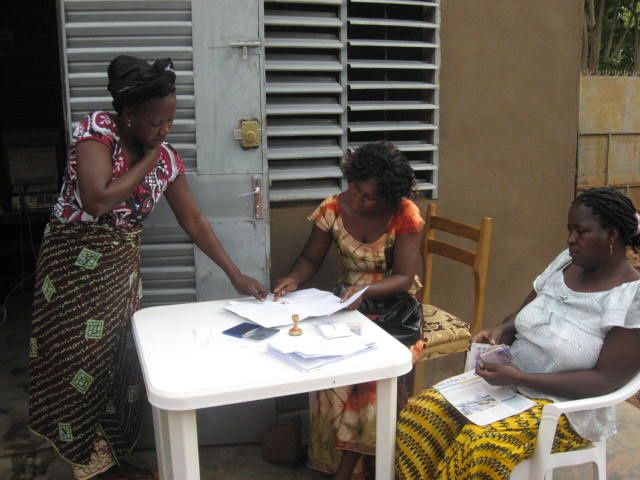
x=311 y=352
x=488 y=353
x=306 y=303
x=481 y=402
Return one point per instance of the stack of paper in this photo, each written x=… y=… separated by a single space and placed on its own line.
x=305 y=303
x=308 y=353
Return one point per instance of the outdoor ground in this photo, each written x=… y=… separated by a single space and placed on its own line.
x=25 y=457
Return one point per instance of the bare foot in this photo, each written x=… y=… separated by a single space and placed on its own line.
x=416 y=350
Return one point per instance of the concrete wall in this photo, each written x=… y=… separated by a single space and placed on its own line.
x=508 y=139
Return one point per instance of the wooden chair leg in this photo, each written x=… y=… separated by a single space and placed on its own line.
x=419 y=373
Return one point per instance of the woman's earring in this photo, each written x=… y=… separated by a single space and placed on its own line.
x=129 y=123
x=610 y=248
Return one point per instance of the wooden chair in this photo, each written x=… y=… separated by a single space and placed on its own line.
x=442 y=332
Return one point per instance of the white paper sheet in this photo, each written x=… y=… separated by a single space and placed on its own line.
x=334 y=329
x=212 y=339
x=314 y=351
x=305 y=303
x=481 y=402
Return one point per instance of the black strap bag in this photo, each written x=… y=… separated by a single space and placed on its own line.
x=399 y=315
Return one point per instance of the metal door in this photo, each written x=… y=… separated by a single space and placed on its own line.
x=228 y=182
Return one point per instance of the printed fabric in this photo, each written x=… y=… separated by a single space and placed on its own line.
x=434 y=441
x=101 y=127
x=85 y=384
x=344 y=418
x=367 y=263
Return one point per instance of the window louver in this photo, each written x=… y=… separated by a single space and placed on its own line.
x=97 y=31
x=340 y=74
x=93 y=33
x=393 y=75
x=305 y=103
x=168 y=267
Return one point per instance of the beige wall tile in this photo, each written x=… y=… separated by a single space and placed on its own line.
x=592 y=161
x=609 y=104
x=624 y=160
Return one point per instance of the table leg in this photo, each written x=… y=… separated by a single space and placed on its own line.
x=183 y=443
x=386 y=404
x=163 y=453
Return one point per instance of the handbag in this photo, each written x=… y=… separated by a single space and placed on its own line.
x=399 y=315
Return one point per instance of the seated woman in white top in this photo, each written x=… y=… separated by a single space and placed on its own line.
x=575 y=336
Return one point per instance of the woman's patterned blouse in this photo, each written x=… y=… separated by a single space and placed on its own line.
x=101 y=127
x=367 y=263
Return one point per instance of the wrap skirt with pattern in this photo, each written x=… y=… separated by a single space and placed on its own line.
x=85 y=382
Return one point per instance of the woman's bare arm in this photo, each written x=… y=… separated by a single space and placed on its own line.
x=617 y=363
x=193 y=221
x=99 y=193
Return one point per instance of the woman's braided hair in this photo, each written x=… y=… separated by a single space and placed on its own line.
x=614 y=210
x=383 y=162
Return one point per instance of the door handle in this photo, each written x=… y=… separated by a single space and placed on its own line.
x=256 y=194
x=245 y=45
x=256 y=184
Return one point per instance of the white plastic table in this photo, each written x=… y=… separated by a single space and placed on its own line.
x=182 y=375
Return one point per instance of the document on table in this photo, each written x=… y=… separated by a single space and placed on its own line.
x=481 y=402
x=332 y=329
x=305 y=303
x=308 y=353
x=212 y=339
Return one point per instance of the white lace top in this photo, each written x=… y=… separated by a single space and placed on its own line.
x=564 y=330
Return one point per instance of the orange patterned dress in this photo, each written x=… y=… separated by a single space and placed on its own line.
x=344 y=418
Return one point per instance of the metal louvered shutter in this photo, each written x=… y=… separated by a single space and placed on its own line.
x=343 y=73
x=92 y=33
x=305 y=53
x=393 y=77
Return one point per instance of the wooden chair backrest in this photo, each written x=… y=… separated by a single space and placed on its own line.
x=477 y=259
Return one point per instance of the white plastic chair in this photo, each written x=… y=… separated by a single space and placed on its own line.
x=540 y=466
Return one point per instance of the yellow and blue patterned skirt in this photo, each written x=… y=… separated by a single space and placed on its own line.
x=435 y=442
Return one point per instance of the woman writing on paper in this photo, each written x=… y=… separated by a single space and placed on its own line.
x=376 y=229
x=575 y=336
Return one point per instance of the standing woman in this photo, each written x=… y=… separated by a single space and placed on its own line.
x=85 y=384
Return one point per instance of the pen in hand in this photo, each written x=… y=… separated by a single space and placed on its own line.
x=283 y=286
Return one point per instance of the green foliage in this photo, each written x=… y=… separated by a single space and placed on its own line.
x=611 y=36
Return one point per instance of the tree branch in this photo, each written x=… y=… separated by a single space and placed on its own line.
x=596 y=33
x=585 y=43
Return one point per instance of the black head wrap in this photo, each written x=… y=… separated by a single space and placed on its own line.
x=133 y=81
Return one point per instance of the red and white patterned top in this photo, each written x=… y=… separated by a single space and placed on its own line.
x=101 y=127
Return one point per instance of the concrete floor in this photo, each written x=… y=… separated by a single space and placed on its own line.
x=25 y=457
